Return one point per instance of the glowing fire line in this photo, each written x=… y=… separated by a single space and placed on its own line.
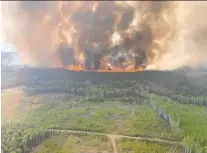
x=79 y=69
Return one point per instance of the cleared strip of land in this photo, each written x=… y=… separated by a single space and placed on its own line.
x=115 y=136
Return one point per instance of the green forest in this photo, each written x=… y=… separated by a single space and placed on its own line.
x=153 y=111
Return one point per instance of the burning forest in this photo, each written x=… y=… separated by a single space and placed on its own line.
x=119 y=36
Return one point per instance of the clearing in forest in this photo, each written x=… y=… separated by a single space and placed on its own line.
x=135 y=146
x=107 y=117
x=75 y=144
x=16 y=105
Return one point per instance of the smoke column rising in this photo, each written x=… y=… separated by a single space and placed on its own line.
x=97 y=35
x=190 y=47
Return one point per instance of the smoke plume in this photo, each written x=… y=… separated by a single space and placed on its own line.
x=101 y=35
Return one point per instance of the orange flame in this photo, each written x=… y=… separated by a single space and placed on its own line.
x=79 y=68
x=74 y=68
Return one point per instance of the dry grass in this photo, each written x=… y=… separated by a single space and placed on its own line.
x=76 y=144
x=10 y=102
x=15 y=105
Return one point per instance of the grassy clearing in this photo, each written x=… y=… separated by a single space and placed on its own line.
x=134 y=146
x=115 y=117
x=75 y=144
x=108 y=117
x=145 y=122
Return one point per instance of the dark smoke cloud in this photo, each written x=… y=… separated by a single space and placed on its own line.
x=96 y=27
x=92 y=61
x=67 y=55
x=146 y=30
x=126 y=19
x=93 y=27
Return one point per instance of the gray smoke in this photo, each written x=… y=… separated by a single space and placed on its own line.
x=57 y=33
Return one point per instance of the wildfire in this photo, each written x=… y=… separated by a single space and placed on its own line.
x=74 y=68
x=79 y=68
x=100 y=36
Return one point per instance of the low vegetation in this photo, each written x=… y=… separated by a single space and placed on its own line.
x=189 y=120
x=75 y=144
x=134 y=146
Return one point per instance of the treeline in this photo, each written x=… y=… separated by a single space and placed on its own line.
x=172 y=81
x=34 y=74
x=97 y=92
x=113 y=90
x=169 y=80
x=18 y=138
x=174 y=123
x=178 y=96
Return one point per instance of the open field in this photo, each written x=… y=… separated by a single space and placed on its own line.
x=10 y=100
x=16 y=106
x=135 y=146
x=111 y=135
x=75 y=144
x=100 y=143
x=108 y=117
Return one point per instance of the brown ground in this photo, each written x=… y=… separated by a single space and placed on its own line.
x=15 y=105
x=10 y=100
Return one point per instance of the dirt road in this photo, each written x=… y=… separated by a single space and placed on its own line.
x=113 y=137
